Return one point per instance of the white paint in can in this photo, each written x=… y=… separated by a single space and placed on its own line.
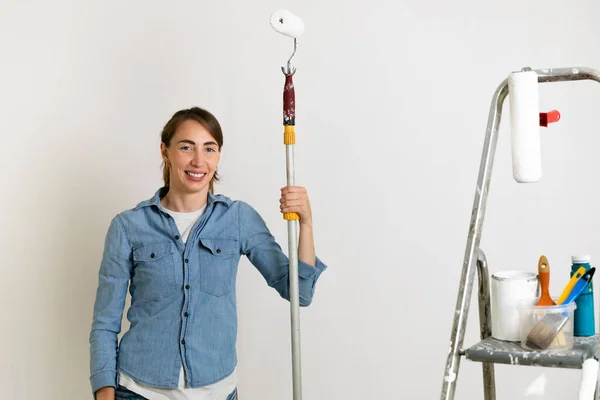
x=509 y=288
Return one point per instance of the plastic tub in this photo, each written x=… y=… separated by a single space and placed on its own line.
x=530 y=315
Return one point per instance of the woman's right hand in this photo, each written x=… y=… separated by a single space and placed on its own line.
x=106 y=393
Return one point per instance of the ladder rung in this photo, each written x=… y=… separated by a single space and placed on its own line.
x=500 y=352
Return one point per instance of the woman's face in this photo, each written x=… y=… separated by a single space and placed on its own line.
x=193 y=155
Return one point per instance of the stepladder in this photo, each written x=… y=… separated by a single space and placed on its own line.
x=490 y=351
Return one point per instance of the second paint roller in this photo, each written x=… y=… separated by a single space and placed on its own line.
x=525 y=126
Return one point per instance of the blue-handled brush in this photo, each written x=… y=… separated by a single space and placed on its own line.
x=544 y=331
x=580 y=286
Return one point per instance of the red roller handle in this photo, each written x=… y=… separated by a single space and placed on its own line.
x=289 y=101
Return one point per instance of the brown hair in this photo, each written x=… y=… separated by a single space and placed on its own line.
x=203 y=117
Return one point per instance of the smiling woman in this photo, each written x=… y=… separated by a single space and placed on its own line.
x=187 y=124
x=178 y=253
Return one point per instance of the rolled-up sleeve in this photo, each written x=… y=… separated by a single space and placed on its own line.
x=259 y=245
x=113 y=280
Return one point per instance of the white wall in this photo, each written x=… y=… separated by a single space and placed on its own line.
x=392 y=105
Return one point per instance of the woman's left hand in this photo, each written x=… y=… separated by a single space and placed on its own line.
x=295 y=199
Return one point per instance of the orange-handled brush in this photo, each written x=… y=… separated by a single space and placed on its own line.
x=544 y=276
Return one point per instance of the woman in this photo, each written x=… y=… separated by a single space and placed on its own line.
x=178 y=252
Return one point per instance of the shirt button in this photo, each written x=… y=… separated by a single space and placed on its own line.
x=182 y=341
x=152 y=255
x=185 y=314
x=187 y=286
x=186 y=260
x=176 y=237
x=218 y=250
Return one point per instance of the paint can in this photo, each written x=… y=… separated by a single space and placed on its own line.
x=509 y=288
x=585 y=324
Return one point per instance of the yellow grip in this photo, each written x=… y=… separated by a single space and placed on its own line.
x=289 y=135
x=567 y=290
x=291 y=216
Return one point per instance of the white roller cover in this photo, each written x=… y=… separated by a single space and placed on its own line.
x=525 y=126
x=287 y=23
x=589 y=377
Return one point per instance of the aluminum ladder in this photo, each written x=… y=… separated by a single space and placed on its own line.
x=490 y=351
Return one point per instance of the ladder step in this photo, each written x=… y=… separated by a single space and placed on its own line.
x=500 y=352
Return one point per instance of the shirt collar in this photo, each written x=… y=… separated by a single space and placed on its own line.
x=155 y=200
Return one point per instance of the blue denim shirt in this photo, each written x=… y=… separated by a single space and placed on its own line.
x=183 y=297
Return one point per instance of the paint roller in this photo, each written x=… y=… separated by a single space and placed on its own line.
x=288 y=24
x=525 y=122
x=589 y=379
x=291 y=26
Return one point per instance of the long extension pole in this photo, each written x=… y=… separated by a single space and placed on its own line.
x=289 y=139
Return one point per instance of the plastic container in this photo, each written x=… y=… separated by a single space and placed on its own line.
x=530 y=315
x=508 y=289
x=585 y=324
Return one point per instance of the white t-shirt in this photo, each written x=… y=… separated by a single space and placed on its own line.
x=216 y=391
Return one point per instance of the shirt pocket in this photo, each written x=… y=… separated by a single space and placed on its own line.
x=153 y=271
x=218 y=263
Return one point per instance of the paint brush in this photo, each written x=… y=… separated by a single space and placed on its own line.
x=545 y=330
x=544 y=274
x=565 y=293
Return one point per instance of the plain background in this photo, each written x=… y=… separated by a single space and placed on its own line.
x=392 y=104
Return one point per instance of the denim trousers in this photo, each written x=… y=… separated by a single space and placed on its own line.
x=123 y=393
